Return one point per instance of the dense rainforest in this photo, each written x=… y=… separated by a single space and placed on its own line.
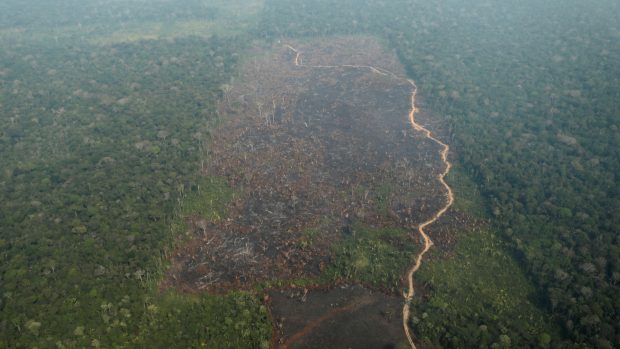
x=105 y=113
x=98 y=145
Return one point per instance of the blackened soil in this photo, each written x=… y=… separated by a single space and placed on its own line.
x=311 y=152
x=343 y=317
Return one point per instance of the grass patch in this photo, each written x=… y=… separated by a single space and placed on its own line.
x=467 y=197
x=480 y=296
x=207 y=198
x=374 y=256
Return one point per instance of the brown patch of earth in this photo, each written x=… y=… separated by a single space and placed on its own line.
x=348 y=316
x=311 y=152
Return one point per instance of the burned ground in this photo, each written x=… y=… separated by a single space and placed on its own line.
x=313 y=153
x=348 y=316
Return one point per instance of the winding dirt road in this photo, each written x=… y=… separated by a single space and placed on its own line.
x=428 y=243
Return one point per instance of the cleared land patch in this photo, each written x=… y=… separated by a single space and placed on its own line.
x=330 y=184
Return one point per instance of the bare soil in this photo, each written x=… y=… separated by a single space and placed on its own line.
x=347 y=316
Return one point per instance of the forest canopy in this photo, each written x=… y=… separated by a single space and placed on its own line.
x=106 y=110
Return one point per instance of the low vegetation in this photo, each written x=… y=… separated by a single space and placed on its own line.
x=377 y=257
x=479 y=297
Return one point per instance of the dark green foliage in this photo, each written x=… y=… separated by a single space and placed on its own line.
x=233 y=321
x=99 y=145
x=533 y=119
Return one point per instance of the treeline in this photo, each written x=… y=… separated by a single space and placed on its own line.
x=528 y=93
